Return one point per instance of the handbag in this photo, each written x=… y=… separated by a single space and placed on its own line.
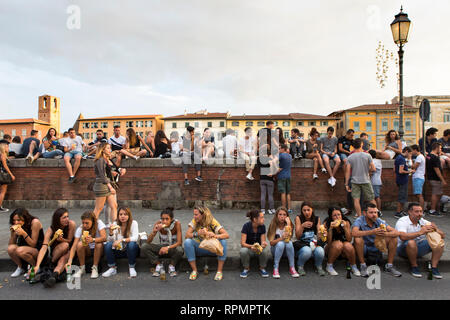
x=5 y=178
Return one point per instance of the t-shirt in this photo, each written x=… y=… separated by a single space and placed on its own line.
x=366 y=145
x=102 y=140
x=248 y=145
x=100 y=226
x=329 y=144
x=427 y=145
x=253 y=237
x=134 y=233
x=117 y=143
x=445 y=145
x=376 y=177
x=213 y=227
x=339 y=232
x=360 y=164
x=229 y=144
x=404 y=224
x=312 y=146
x=346 y=143
x=401 y=178
x=52 y=145
x=26 y=145
x=285 y=164
x=68 y=142
x=433 y=162
x=420 y=171
x=361 y=224
x=15 y=147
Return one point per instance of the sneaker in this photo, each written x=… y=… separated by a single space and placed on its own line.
x=324 y=170
x=29 y=159
x=398 y=215
x=263 y=273
x=250 y=177
x=80 y=272
x=436 y=273
x=186 y=182
x=244 y=273
x=199 y=179
x=19 y=271
x=94 y=272
x=392 y=271
x=380 y=214
x=85 y=157
x=136 y=158
x=290 y=211
x=315 y=176
x=263 y=211
x=415 y=272
x=71 y=179
x=157 y=270
x=330 y=182
x=271 y=211
x=355 y=271
x=133 y=273
x=435 y=214
x=51 y=281
x=344 y=211
x=404 y=213
x=219 y=276
x=3 y=209
x=112 y=271
x=293 y=273
x=301 y=271
x=331 y=270
x=276 y=274
x=320 y=271
x=172 y=271
x=364 y=272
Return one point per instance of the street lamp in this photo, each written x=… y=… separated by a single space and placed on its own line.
x=400 y=29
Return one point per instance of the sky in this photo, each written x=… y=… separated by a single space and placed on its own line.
x=113 y=57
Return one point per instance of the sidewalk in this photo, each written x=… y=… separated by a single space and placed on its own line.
x=232 y=220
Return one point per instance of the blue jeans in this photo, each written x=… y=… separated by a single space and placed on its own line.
x=192 y=250
x=131 y=251
x=283 y=249
x=423 y=248
x=305 y=253
x=53 y=154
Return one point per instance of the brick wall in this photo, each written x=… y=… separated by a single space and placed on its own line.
x=158 y=183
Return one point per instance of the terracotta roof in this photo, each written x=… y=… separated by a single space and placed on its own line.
x=27 y=120
x=290 y=116
x=209 y=115
x=371 y=107
x=147 y=116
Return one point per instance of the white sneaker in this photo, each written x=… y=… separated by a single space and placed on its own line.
x=110 y=272
x=250 y=177
x=330 y=182
x=133 y=273
x=94 y=272
x=355 y=271
x=172 y=271
x=315 y=176
x=137 y=158
x=331 y=270
x=19 y=271
x=263 y=211
x=80 y=272
x=324 y=170
x=333 y=181
x=272 y=211
x=157 y=270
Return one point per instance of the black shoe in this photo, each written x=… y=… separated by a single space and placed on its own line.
x=380 y=214
x=435 y=214
x=72 y=179
x=398 y=215
x=199 y=179
x=50 y=282
x=186 y=182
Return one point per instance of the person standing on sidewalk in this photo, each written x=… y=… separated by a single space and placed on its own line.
x=267 y=164
x=253 y=232
x=375 y=179
x=413 y=242
x=284 y=177
x=436 y=178
x=402 y=172
x=359 y=166
x=418 y=177
x=4 y=169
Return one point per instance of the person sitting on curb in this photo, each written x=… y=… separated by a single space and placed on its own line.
x=364 y=230
x=413 y=242
x=254 y=232
x=89 y=239
x=170 y=243
x=202 y=226
x=122 y=242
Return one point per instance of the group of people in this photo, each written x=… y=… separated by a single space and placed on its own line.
x=301 y=239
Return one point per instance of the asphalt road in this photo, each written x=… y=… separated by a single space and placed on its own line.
x=231 y=287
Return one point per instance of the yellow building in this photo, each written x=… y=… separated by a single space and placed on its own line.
x=303 y=122
x=377 y=120
x=140 y=123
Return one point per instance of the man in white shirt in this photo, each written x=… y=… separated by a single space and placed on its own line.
x=413 y=242
x=229 y=144
x=117 y=142
x=73 y=148
x=418 y=177
x=247 y=150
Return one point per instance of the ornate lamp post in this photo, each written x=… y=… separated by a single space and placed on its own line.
x=400 y=29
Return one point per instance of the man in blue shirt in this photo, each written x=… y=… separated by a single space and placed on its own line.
x=284 y=177
x=364 y=230
x=30 y=147
x=402 y=172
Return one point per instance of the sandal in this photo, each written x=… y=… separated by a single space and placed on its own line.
x=218 y=276
x=193 y=275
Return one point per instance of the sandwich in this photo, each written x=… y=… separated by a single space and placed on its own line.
x=15 y=227
x=83 y=238
x=288 y=229
x=258 y=248
x=323 y=232
x=336 y=223
x=58 y=233
x=114 y=227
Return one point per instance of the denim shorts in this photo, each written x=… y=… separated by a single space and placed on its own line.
x=423 y=248
x=325 y=156
x=343 y=156
x=73 y=154
x=418 y=185
x=376 y=190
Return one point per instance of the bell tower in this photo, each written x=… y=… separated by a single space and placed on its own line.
x=49 y=111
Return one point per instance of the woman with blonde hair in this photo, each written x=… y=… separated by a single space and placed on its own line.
x=122 y=242
x=313 y=151
x=204 y=226
x=133 y=146
x=280 y=235
x=5 y=172
x=103 y=189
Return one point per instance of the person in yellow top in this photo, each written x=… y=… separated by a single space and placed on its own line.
x=204 y=226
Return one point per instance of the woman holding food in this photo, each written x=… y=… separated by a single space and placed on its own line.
x=122 y=242
x=89 y=239
x=339 y=238
x=280 y=235
x=25 y=241
x=204 y=226
x=58 y=238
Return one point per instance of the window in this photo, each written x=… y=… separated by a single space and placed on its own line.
x=261 y=124
x=384 y=125
x=324 y=123
x=24 y=132
x=148 y=123
x=116 y=123
x=139 y=124
x=342 y=124
x=249 y=123
x=86 y=136
x=300 y=123
x=235 y=123
x=104 y=125
x=13 y=132
x=86 y=125
x=446 y=117
x=209 y=124
x=368 y=125
x=94 y=125
x=92 y=135
x=286 y=134
x=105 y=134
x=275 y=123
x=408 y=125
x=356 y=126
x=129 y=124
x=196 y=124
x=222 y=124
x=312 y=123
x=396 y=125
x=2 y=133
x=186 y=124
x=286 y=123
x=174 y=125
